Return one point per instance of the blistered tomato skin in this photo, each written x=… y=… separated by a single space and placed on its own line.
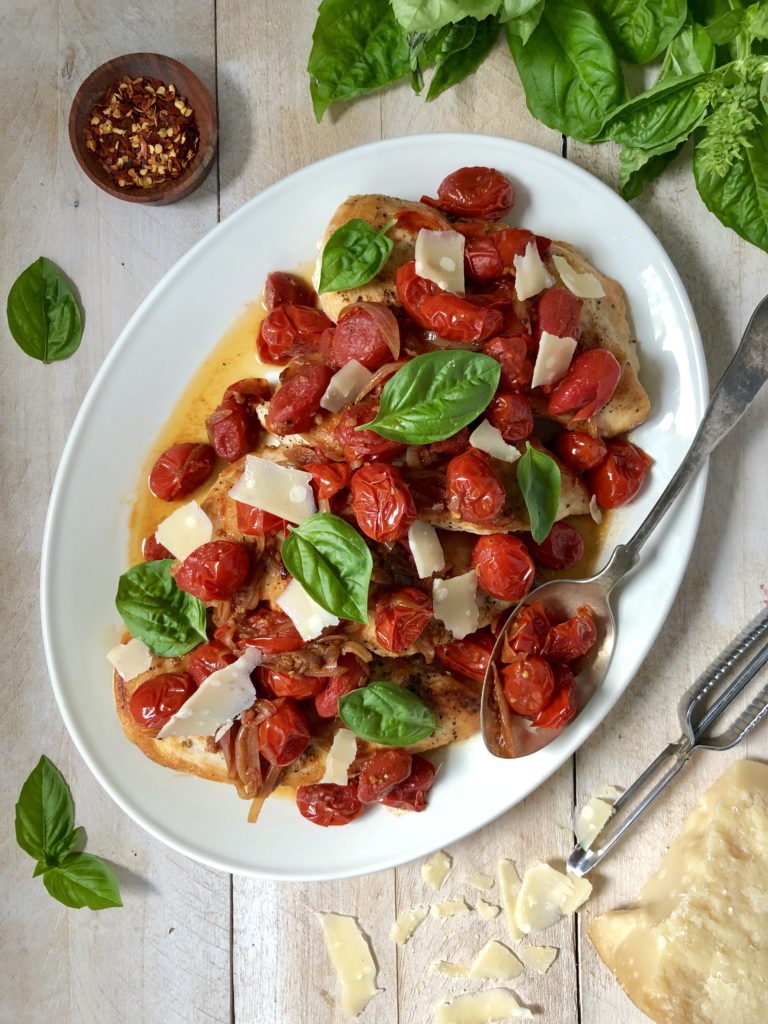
x=528 y=684
x=296 y=401
x=255 y=522
x=327 y=804
x=564 y=704
x=284 y=736
x=359 y=336
x=411 y=793
x=503 y=565
x=579 y=451
x=362 y=445
x=572 y=639
x=157 y=700
x=482 y=261
x=233 y=431
x=181 y=469
x=382 y=503
x=214 y=571
x=516 y=366
x=281 y=288
x=468 y=657
x=475 y=492
x=587 y=386
x=449 y=316
x=270 y=631
x=152 y=550
x=474 y=192
x=328 y=478
x=558 y=312
x=529 y=632
x=381 y=772
x=401 y=617
x=282 y=684
x=511 y=414
x=207 y=659
x=290 y=330
x=620 y=475
x=562 y=548
x=350 y=675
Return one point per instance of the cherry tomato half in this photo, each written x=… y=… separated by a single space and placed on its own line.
x=281 y=288
x=580 y=451
x=290 y=330
x=563 y=705
x=620 y=475
x=449 y=316
x=327 y=804
x=510 y=412
x=360 y=335
x=530 y=629
x=503 y=565
x=350 y=675
x=283 y=684
x=271 y=631
x=411 y=793
x=152 y=550
x=475 y=491
x=482 y=261
x=381 y=502
x=528 y=684
x=558 y=312
x=214 y=571
x=255 y=522
x=328 y=478
x=297 y=400
x=562 y=548
x=516 y=366
x=158 y=699
x=233 y=431
x=181 y=469
x=401 y=617
x=588 y=385
x=474 y=192
x=381 y=772
x=468 y=657
x=284 y=736
x=207 y=659
x=359 y=445
x=512 y=242
x=571 y=639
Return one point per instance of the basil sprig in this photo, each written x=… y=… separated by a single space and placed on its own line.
x=353 y=255
x=387 y=713
x=333 y=564
x=642 y=28
x=168 y=619
x=45 y=829
x=43 y=315
x=434 y=395
x=538 y=477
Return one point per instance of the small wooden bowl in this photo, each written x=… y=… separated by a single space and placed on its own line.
x=188 y=85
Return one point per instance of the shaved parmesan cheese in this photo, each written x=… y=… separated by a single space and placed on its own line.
x=482 y=1008
x=495 y=962
x=436 y=869
x=345 y=386
x=351 y=957
x=540 y=958
x=509 y=883
x=426 y=549
x=406 y=924
x=452 y=970
x=594 y=509
x=590 y=821
x=586 y=286
x=341 y=755
x=440 y=258
x=131 y=659
x=450 y=908
x=184 y=530
x=454 y=603
x=281 y=490
x=220 y=698
x=478 y=880
x=546 y=895
x=487 y=910
x=304 y=612
x=488 y=439
x=531 y=276
x=608 y=792
x=553 y=359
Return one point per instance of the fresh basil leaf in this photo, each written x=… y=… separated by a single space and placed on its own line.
x=512 y=9
x=538 y=477
x=434 y=395
x=387 y=713
x=353 y=255
x=356 y=48
x=727 y=26
x=662 y=116
x=690 y=52
x=764 y=92
x=431 y=15
x=739 y=198
x=569 y=69
x=455 y=62
x=45 y=814
x=641 y=28
x=43 y=315
x=168 y=619
x=82 y=880
x=638 y=167
x=523 y=25
x=332 y=562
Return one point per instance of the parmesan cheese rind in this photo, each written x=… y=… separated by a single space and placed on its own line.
x=353 y=961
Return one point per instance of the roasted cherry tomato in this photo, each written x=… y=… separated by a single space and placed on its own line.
x=401 y=617
x=411 y=793
x=158 y=699
x=381 y=502
x=580 y=451
x=503 y=565
x=297 y=401
x=475 y=492
x=474 y=192
x=528 y=684
x=511 y=242
x=571 y=639
x=449 y=316
x=530 y=629
x=207 y=659
x=362 y=445
x=290 y=330
x=440 y=451
x=214 y=571
x=350 y=675
x=415 y=220
x=250 y=392
x=468 y=657
x=180 y=469
x=152 y=550
x=482 y=261
x=620 y=475
x=516 y=366
x=381 y=772
x=233 y=431
x=284 y=736
x=365 y=333
x=510 y=412
x=280 y=288
x=562 y=548
x=328 y=478
x=255 y=522
x=327 y=804
x=588 y=385
x=283 y=684
x=428 y=489
x=271 y=631
x=558 y=312
x=563 y=705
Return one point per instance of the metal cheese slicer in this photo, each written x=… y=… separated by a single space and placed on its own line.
x=703 y=708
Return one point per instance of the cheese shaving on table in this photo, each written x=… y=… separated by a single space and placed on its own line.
x=345 y=386
x=488 y=439
x=509 y=883
x=440 y=258
x=436 y=869
x=585 y=286
x=279 y=490
x=495 y=962
x=407 y=923
x=452 y=970
x=309 y=618
x=531 y=276
x=351 y=957
x=487 y=910
x=341 y=755
x=184 y=530
x=130 y=659
x=454 y=603
x=218 y=700
x=479 y=880
x=553 y=359
x=426 y=549
x=482 y=1008
x=540 y=958
x=450 y=908
x=546 y=895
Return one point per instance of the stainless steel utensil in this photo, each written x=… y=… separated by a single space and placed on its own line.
x=508 y=735
x=700 y=709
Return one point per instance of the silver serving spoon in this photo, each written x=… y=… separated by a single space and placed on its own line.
x=507 y=734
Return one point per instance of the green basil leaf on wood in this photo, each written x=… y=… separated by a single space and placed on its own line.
x=168 y=619
x=431 y=15
x=82 y=880
x=456 y=61
x=353 y=255
x=641 y=29
x=569 y=69
x=43 y=315
x=434 y=395
x=387 y=713
x=356 y=48
x=638 y=167
x=664 y=115
x=332 y=562
x=523 y=25
x=538 y=477
x=45 y=814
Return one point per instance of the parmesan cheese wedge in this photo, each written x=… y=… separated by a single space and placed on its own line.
x=487 y=910
x=352 y=959
x=131 y=659
x=454 y=603
x=482 y=1008
x=426 y=549
x=440 y=258
x=436 y=869
x=281 y=490
x=184 y=530
x=341 y=755
x=546 y=895
x=304 y=612
x=220 y=698
x=553 y=359
x=585 y=286
x=450 y=908
x=495 y=962
x=488 y=439
x=509 y=883
x=531 y=276
x=345 y=385
x=540 y=958
x=452 y=970
x=406 y=924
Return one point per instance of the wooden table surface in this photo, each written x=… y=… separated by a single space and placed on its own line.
x=192 y=944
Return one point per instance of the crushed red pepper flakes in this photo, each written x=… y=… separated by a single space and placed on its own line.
x=143 y=133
